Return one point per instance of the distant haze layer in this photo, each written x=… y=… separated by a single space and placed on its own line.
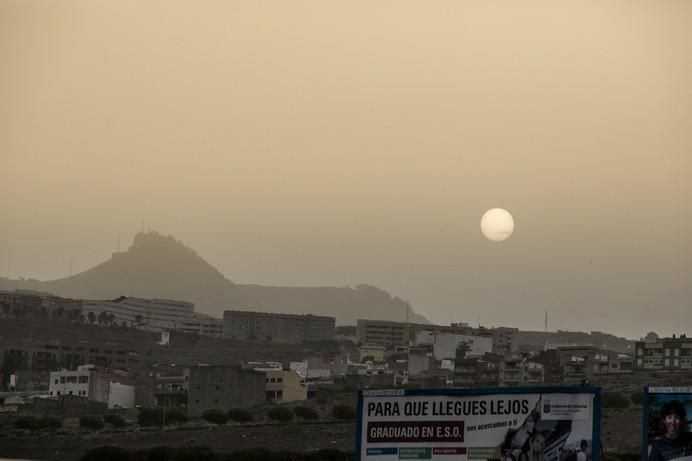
x=310 y=143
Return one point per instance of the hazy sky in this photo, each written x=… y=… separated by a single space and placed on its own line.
x=334 y=143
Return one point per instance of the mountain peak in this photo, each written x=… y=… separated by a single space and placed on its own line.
x=152 y=241
x=160 y=266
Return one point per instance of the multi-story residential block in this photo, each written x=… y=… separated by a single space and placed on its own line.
x=154 y=315
x=224 y=388
x=664 y=354
x=69 y=353
x=281 y=328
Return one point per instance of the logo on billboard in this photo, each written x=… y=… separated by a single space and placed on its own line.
x=546 y=407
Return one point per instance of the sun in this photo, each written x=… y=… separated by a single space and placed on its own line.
x=497 y=224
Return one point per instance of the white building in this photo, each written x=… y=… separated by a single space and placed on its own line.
x=155 y=314
x=92 y=385
x=445 y=344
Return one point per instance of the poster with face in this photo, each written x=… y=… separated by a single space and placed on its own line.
x=498 y=424
x=666 y=424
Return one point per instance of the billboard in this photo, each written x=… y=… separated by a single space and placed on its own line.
x=507 y=424
x=666 y=424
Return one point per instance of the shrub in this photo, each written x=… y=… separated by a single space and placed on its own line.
x=215 y=416
x=240 y=415
x=614 y=400
x=155 y=417
x=26 y=422
x=637 y=398
x=91 y=422
x=49 y=422
x=149 y=417
x=306 y=413
x=343 y=412
x=107 y=453
x=282 y=414
x=175 y=416
x=195 y=454
x=115 y=420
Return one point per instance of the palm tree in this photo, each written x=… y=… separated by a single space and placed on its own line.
x=102 y=318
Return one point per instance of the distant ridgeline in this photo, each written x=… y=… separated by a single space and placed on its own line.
x=158 y=266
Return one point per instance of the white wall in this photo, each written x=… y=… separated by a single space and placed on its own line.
x=121 y=395
x=446 y=344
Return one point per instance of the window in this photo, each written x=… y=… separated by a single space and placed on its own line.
x=279 y=380
x=83 y=379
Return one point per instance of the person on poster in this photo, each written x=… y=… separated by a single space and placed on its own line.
x=535 y=448
x=676 y=442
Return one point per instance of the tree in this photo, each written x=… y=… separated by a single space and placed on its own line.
x=651 y=337
x=102 y=318
x=281 y=414
x=215 y=416
x=92 y=317
x=139 y=320
x=111 y=319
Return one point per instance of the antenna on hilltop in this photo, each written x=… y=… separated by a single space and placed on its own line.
x=118 y=242
x=546 y=322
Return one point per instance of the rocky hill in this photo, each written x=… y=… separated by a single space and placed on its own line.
x=158 y=266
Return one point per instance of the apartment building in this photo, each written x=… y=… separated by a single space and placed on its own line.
x=664 y=354
x=223 y=388
x=280 y=328
x=155 y=315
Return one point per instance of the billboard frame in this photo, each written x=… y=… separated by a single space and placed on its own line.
x=475 y=391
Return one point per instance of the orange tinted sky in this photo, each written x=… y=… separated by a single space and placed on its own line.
x=324 y=143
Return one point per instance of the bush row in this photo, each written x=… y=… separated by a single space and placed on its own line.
x=109 y=453
x=157 y=417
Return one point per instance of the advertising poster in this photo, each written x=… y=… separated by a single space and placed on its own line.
x=666 y=424
x=507 y=424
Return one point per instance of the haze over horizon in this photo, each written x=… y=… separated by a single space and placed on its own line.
x=312 y=144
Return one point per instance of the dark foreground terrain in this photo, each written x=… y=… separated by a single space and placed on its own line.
x=621 y=432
